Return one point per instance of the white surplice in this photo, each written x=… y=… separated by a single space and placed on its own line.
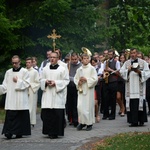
x=61 y=63
x=33 y=95
x=135 y=87
x=53 y=97
x=16 y=92
x=86 y=108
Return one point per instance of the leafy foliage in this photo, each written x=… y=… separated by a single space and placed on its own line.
x=129 y=24
x=95 y=24
x=8 y=33
x=74 y=20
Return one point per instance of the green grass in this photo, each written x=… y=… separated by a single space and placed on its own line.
x=2 y=115
x=125 y=141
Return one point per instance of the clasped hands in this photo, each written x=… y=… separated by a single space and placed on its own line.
x=50 y=83
x=82 y=80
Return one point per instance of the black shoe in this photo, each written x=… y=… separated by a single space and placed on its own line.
x=18 y=136
x=80 y=126
x=111 y=118
x=8 y=135
x=53 y=136
x=89 y=127
x=104 y=117
x=133 y=125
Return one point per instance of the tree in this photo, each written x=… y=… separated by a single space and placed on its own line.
x=8 y=33
x=76 y=21
x=129 y=23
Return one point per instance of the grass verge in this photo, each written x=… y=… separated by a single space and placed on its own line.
x=125 y=141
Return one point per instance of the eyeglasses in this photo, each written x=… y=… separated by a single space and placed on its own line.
x=53 y=57
x=15 y=63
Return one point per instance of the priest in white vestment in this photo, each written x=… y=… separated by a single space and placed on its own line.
x=33 y=89
x=15 y=85
x=61 y=63
x=54 y=81
x=85 y=80
x=135 y=72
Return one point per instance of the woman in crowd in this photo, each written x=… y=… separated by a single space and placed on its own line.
x=121 y=89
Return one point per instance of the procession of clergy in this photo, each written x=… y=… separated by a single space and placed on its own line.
x=80 y=87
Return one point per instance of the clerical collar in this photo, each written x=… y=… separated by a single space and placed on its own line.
x=17 y=70
x=134 y=61
x=54 y=66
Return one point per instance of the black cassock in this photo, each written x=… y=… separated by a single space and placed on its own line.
x=53 y=121
x=17 y=122
x=134 y=115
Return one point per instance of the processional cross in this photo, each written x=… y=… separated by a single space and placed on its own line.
x=54 y=36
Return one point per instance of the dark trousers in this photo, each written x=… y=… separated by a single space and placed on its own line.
x=102 y=97
x=71 y=106
x=109 y=101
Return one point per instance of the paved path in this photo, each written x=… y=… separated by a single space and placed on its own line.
x=72 y=139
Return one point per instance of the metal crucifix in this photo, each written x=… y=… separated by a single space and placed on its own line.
x=54 y=36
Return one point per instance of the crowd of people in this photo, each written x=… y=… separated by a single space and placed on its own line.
x=78 y=91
